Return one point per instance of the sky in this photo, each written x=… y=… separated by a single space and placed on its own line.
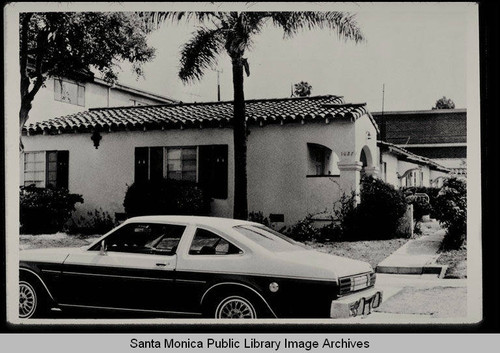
x=418 y=52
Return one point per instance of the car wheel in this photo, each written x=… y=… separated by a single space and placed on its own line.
x=29 y=300
x=235 y=307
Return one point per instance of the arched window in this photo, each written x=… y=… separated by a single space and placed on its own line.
x=322 y=161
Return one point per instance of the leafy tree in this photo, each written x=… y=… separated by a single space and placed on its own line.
x=444 y=103
x=302 y=89
x=233 y=33
x=69 y=43
x=451 y=211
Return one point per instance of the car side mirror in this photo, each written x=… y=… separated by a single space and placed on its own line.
x=103 y=248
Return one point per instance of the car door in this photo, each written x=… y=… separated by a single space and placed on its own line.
x=132 y=269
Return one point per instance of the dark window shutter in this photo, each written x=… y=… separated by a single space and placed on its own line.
x=156 y=161
x=212 y=173
x=62 y=169
x=141 y=164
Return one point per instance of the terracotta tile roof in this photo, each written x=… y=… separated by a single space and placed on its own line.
x=214 y=114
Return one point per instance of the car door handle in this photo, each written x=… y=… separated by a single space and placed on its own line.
x=162 y=264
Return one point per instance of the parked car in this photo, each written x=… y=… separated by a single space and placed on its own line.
x=196 y=266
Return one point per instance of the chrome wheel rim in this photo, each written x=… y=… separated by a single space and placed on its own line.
x=27 y=300
x=235 y=308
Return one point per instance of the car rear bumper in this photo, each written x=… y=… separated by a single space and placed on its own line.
x=361 y=303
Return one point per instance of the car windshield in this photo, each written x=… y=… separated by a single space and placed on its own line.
x=268 y=238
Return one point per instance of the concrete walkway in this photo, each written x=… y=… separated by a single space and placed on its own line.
x=417 y=256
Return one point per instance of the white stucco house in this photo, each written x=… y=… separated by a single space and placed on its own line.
x=302 y=152
x=403 y=168
x=63 y=96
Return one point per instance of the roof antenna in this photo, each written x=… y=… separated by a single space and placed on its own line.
x=382 y=117
x=291 y=89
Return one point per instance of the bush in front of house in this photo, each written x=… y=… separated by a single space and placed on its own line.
x=303 y=230
x=451 y=211
x=166 y=197
x=45 y=210
x=96 y=222
x=258 y=217
x=377 y=216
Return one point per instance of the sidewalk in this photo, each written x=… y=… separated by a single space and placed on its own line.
x=417 y=256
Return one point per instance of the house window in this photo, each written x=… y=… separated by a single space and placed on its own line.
x=46 y=168
x=206 y=165
x=69 y=92
x=414 y=178
x=34 y=169
x=181 y=163
x=137 y=103
x=320 y=160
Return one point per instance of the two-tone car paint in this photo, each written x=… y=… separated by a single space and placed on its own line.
x=296 y=283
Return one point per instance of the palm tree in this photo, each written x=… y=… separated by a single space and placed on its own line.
x=302 y=89
x=233 y=32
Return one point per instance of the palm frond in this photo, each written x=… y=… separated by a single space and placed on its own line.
x=153 y=20
x=200 y=53
x=343 y=23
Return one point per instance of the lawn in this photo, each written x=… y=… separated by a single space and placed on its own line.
x=456 y=261
x=58 y=240
x=369 y=251
x=373 y=251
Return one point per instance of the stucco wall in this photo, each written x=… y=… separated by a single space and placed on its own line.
x=102 y=175
x=366 y=135
x=391 y=169
x=278 y=168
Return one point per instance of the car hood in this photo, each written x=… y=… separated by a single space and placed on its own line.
x=53 y=255
x=315 y=264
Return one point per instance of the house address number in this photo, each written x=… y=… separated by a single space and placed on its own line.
x=347 y=153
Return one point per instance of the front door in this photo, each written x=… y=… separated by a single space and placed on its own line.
x=135 y=272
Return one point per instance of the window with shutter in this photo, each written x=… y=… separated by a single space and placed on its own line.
x=46 y=168
x=206 y=165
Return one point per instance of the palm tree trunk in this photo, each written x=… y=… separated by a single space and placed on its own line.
x=240 y=210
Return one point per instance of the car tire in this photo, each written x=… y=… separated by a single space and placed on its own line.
x=31 y=300
x=235 y=307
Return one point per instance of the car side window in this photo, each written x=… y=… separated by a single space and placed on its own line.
x=206 y=242
x=148 y=238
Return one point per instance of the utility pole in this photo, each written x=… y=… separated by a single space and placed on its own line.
x=382 y=118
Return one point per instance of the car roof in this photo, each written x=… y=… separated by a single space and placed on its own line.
x=198 y=220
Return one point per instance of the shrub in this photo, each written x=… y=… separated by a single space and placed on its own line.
x=451 y=211
x=303 y=230
x=162 y=197
x=377 y=215
x=96 y=222
x=258 y=217
x=330 y=232
x=45 y=210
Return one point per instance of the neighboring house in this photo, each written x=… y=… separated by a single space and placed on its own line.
x=440 y=135
x=402 y=168
x=62 y=96
x=303 y=153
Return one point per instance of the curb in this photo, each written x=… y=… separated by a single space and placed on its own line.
x=438 y=270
